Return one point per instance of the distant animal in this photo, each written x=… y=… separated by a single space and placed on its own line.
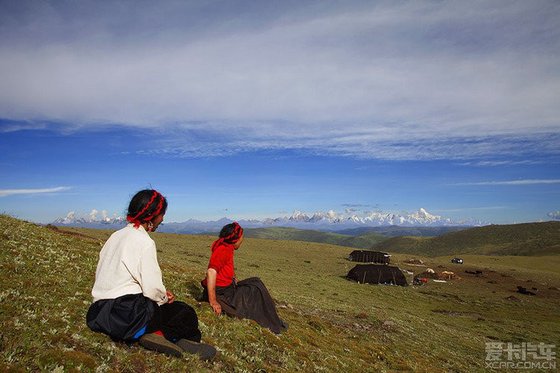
x=522 y=290
x=429 y=273
x=477 y=273
x=447 y=275
x=414 y=261
x=457 y=260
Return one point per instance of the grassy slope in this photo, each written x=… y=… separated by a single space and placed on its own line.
x=519 y=239
x=397 y=231
x=335 y=324
x=293 y=234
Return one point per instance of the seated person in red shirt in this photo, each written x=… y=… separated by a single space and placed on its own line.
x=247 y=299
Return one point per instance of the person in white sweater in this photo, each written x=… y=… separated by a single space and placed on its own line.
x=130 y=302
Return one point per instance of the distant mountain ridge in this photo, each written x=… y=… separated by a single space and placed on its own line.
x=323 y=221
x=91 y=221
x=527 y=239
x=363 y=238
x=293 y=234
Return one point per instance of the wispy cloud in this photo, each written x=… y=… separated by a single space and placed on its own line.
x=496 y=163
x=480 y=208
x=14 y=126
x=11 y=192
x=356 y=205
x=392 y=80
x=186 y=144
x=514 y=182
x=554 y=215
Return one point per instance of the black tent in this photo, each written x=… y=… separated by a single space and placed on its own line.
x=377 y=274
x=366 y=256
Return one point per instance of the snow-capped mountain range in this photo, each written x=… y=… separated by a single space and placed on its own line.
x=95 y=219
x=325 y=221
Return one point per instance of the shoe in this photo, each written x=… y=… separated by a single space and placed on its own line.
x=204 y=351
x=158 y=343
x=283 y=325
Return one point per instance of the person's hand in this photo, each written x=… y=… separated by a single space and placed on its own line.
x=216 y=307
x=170 y=297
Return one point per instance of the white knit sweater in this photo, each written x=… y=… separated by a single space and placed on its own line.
x=128 y=265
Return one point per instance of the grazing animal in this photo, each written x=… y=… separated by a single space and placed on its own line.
x=522 y=290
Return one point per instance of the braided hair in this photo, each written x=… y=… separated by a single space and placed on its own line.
x=144 y=206
x=230 y=233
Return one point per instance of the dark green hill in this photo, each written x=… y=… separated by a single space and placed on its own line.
x=362 y=238
x=294 y=234
x=530 y=239
x=398 y=231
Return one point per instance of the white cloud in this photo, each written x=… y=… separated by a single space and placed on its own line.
x=7 y=127
x=362 y=145
x=515 y=182
x=554 y=215
x=11 y=192
x=385 y=79
x=496 y=163
x=481 y=208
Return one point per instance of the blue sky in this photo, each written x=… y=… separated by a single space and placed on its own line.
x=252 y=109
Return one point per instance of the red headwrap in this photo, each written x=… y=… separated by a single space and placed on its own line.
x=232 y=238
x=135 y=219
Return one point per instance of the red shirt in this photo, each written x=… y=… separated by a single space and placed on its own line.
x=222 y=261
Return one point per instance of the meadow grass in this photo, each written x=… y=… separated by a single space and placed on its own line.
x=335 y=324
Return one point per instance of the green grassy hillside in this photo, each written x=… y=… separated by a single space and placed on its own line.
x=518 y=239
x=294 y=234
x=335 y=325
x=398 y=231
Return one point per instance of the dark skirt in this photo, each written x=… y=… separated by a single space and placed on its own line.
x=250 y=299
x=176 y=320
x=128 y=317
